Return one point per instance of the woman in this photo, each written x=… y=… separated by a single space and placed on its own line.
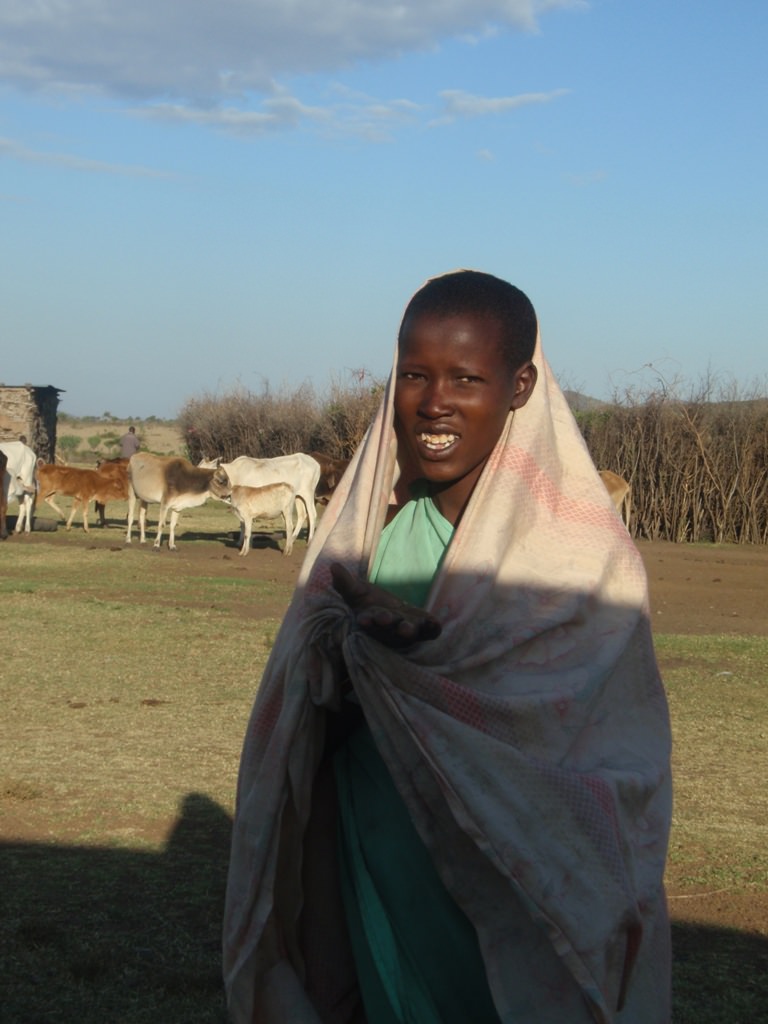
x=454 y=797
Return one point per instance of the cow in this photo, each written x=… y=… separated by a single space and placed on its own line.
x=173 y=482
x=300 y=471
x=115 y=471
x=620 y=492
x=331 y=472
x=82 y=485
x=19 y=483
x=3 y=497
x=267 y=502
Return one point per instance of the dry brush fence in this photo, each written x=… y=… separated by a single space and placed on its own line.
x=266 y=425
x=698 y=468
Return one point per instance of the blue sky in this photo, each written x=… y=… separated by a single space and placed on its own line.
x=202 y=195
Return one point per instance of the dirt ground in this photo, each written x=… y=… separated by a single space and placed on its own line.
x=694 y=589
x=699 y=589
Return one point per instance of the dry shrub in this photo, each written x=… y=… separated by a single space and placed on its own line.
x=269 y=424
x=346 y=415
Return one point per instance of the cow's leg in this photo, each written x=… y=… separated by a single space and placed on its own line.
x=50 y=500
x=24 y=518
x=161 y=523
x=301 y=514
x=246 y=531
x=311 y=516
x=75 y=503
x=31 y=497
x=142 y=522
x=172 y=531
x=131 y=511
x=288 y=516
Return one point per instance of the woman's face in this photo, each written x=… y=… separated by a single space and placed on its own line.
x=453 y=392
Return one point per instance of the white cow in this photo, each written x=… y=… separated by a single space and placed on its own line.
x=267 y=502
x=299 y=471
x=3 y=495
x=19 y=481
x=173 y=482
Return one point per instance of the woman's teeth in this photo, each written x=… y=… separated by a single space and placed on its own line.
x=437 y=442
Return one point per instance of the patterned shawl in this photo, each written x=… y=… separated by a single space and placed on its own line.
x=530 y=741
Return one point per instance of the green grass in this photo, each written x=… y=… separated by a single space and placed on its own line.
x=124 y=704
x=719 y=844
x=717 y=694
x=129 y=677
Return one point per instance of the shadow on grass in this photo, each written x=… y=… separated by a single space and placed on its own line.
x=719 y=975
x=230 y=538
x=260 y=540
x=39 y=524
x=95 y=935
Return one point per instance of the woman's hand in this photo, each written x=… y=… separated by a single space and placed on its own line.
x=382 y=615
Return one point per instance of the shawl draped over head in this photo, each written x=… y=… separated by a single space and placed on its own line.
x=530 y=741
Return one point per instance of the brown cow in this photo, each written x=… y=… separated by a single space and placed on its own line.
x=620 y=492
x=116 y=472
x=331 y=472
x=82 y=485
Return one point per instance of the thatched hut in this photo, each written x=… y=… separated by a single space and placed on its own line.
x=30 y=411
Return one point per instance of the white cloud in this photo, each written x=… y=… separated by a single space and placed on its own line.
x=208 y=52
x=276 y=113
x=366 y=117
x=11 y=149
x=458 y=104
x=347 y=114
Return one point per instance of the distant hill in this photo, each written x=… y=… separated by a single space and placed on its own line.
x=584 y=403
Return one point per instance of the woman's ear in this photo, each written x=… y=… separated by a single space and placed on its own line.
x=525 y=381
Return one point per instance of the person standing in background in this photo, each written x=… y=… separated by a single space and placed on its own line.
x=129 y=443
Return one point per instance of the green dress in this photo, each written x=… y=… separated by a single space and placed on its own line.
x=417 y=954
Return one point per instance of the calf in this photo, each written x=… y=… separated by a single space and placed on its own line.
x=82 y=485
x=19 y=482
x=300 y=471
x=267 y=502
x=173 y=482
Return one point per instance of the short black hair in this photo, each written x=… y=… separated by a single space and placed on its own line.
x=471 y=291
